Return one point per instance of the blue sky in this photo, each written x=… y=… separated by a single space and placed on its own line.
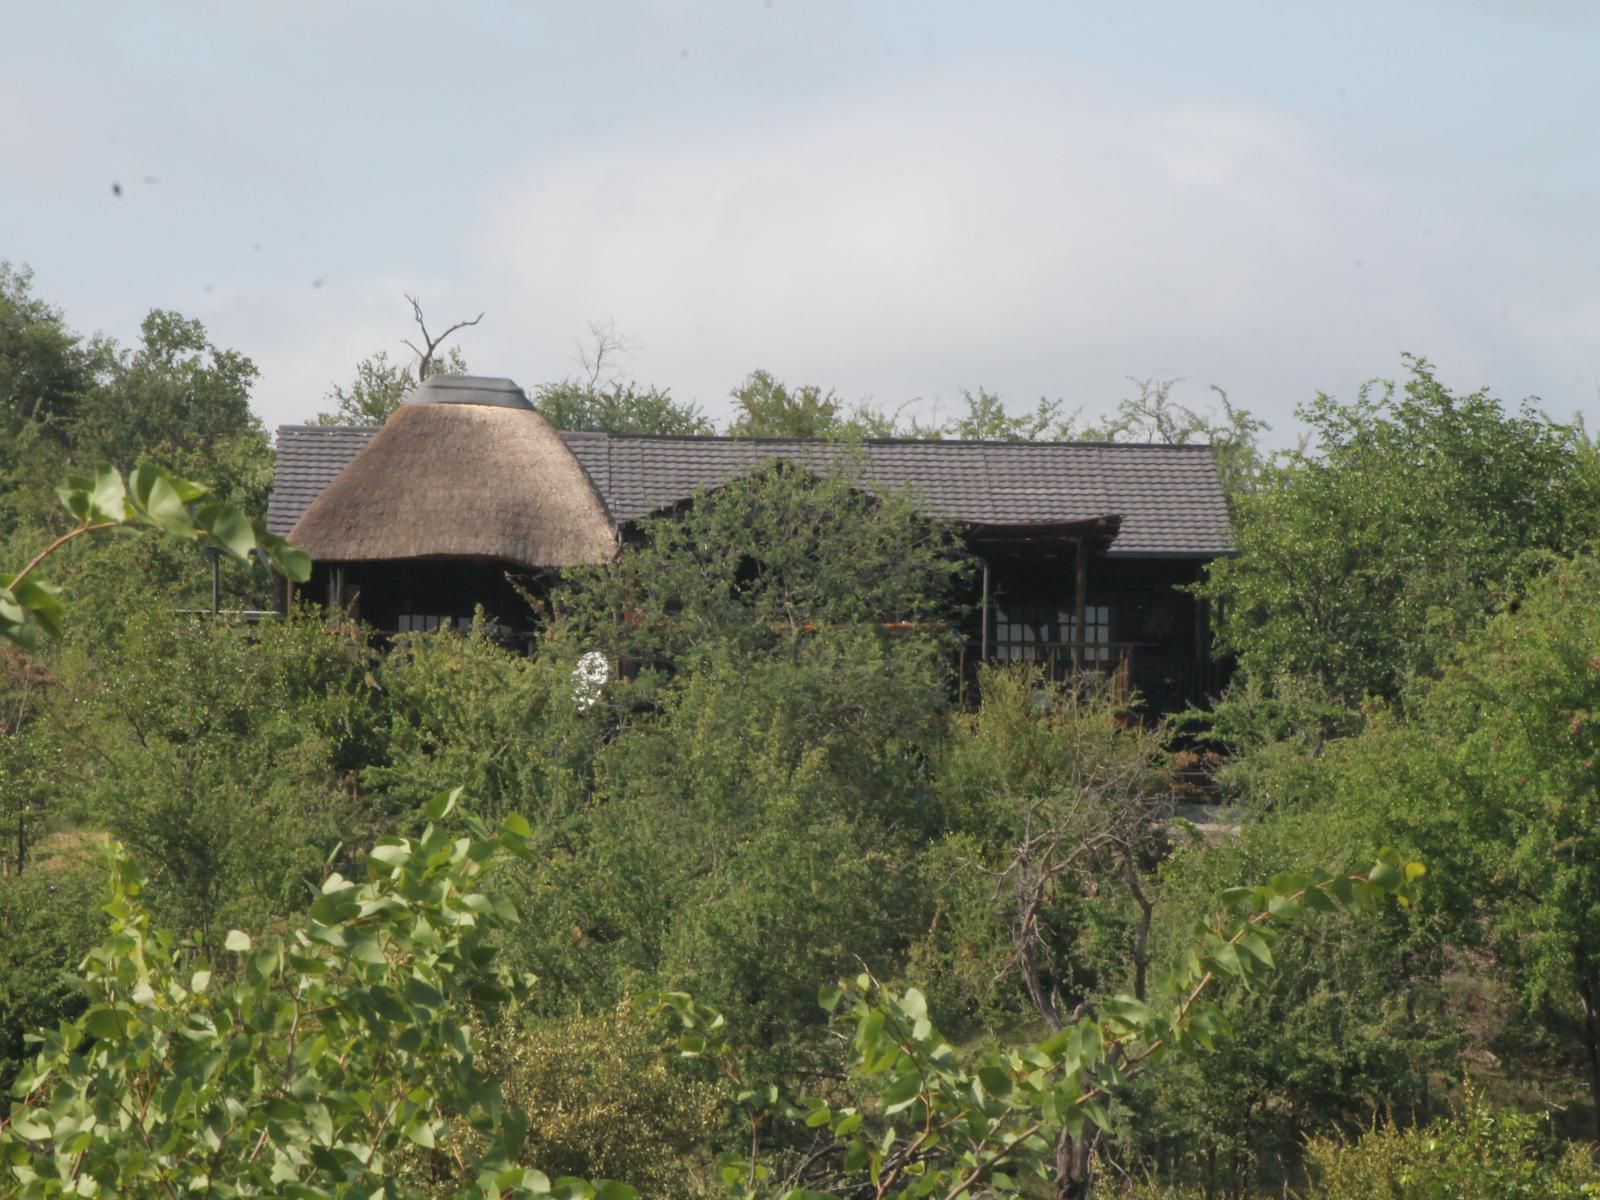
x=895 y=200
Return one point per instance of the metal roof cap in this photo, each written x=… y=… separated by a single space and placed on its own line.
x=470 y=389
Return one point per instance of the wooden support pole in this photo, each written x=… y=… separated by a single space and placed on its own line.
x=1080 y=601
x=983 y=637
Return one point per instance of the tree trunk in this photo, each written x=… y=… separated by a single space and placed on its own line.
x=1074 y=1172
x=1588 y=989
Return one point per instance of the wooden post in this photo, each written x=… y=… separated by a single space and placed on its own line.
x=1080 y=602
x=983 y=638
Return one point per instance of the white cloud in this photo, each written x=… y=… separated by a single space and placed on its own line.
x=969 y=230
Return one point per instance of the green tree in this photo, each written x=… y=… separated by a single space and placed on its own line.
x=765 y=563
x=1516 y=722
x=928 y=1122
x=1153 y=414
x=619 y=407
x=466 y=711
x=45 y=370
x=1363 y=560
x=1060 y=811
x=786 y=676
x=44 y=367
x=1356 y=1021
x=380 y=386
x=31 y=608
x=225 y=757
x=987 y=419
x=179 y=398
x=49 y=914
x=766 y=407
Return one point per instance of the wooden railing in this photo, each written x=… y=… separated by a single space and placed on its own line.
x=1163 y=682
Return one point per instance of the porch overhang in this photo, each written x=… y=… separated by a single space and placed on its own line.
x=1095 y=532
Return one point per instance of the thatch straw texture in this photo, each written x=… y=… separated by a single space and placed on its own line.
x=460 y=481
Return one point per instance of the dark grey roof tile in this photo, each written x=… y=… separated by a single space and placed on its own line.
x=1167 y=498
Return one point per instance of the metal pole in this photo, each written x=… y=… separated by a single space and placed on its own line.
x=215 y=556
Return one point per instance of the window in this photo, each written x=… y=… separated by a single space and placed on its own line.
x=430 y=623
x=1026 y=632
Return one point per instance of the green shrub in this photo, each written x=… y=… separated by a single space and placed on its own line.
x=606 y=1097
x=48 y=916
x=1482 y=1153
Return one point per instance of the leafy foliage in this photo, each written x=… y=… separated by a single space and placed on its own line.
x=48 y=915
x=340 y=1045
x=1360 y=561
x=44 y=368
x=178 y=399
x=223 y=755
x=605 y=1095
x=1354 y=1023
x=619 y=407
x=1481 y=1152
x=936 y=1126
x=766 y=407
x=152 y=498
x=1514 y=718
x=766 y=562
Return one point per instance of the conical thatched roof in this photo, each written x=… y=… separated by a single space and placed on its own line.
x=465 y=468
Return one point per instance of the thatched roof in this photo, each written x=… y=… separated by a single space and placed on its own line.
x=453 y=476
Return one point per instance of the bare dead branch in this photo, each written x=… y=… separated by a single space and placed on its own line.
x=608 y=345
x=426 y=358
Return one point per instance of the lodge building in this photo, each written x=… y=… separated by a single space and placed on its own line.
x=468 y=496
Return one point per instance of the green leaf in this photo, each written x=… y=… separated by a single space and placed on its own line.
x=1256 y=945
x=1128 y=1010
x=1385 y=875
x=902 y=1093
x=229 y=528
x=109 y=497
x=442 y=805
x=28 y=1127
x=41 y=600
x=157 y=496
x=391 y=852
x=237 y=941
x=995 y=1081
x=103 y=1023
x=1226 y=959
x=287 y=560
x=828 y=996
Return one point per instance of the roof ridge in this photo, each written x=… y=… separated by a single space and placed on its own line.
x=728 y=439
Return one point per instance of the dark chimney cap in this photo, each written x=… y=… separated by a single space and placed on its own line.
x=470 y=389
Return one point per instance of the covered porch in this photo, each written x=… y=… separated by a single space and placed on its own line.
x=1061 y=597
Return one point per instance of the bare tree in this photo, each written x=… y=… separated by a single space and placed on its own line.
x=607 y=346
x=425 y=357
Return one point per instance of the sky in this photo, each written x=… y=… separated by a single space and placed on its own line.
x=898 y=201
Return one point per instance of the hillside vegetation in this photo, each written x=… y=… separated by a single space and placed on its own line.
x=452 y=919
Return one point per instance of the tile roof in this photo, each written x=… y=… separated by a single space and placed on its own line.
x=1167 y=497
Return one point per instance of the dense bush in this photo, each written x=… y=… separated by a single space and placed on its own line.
x=1482 y=1152
x=224 y=756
